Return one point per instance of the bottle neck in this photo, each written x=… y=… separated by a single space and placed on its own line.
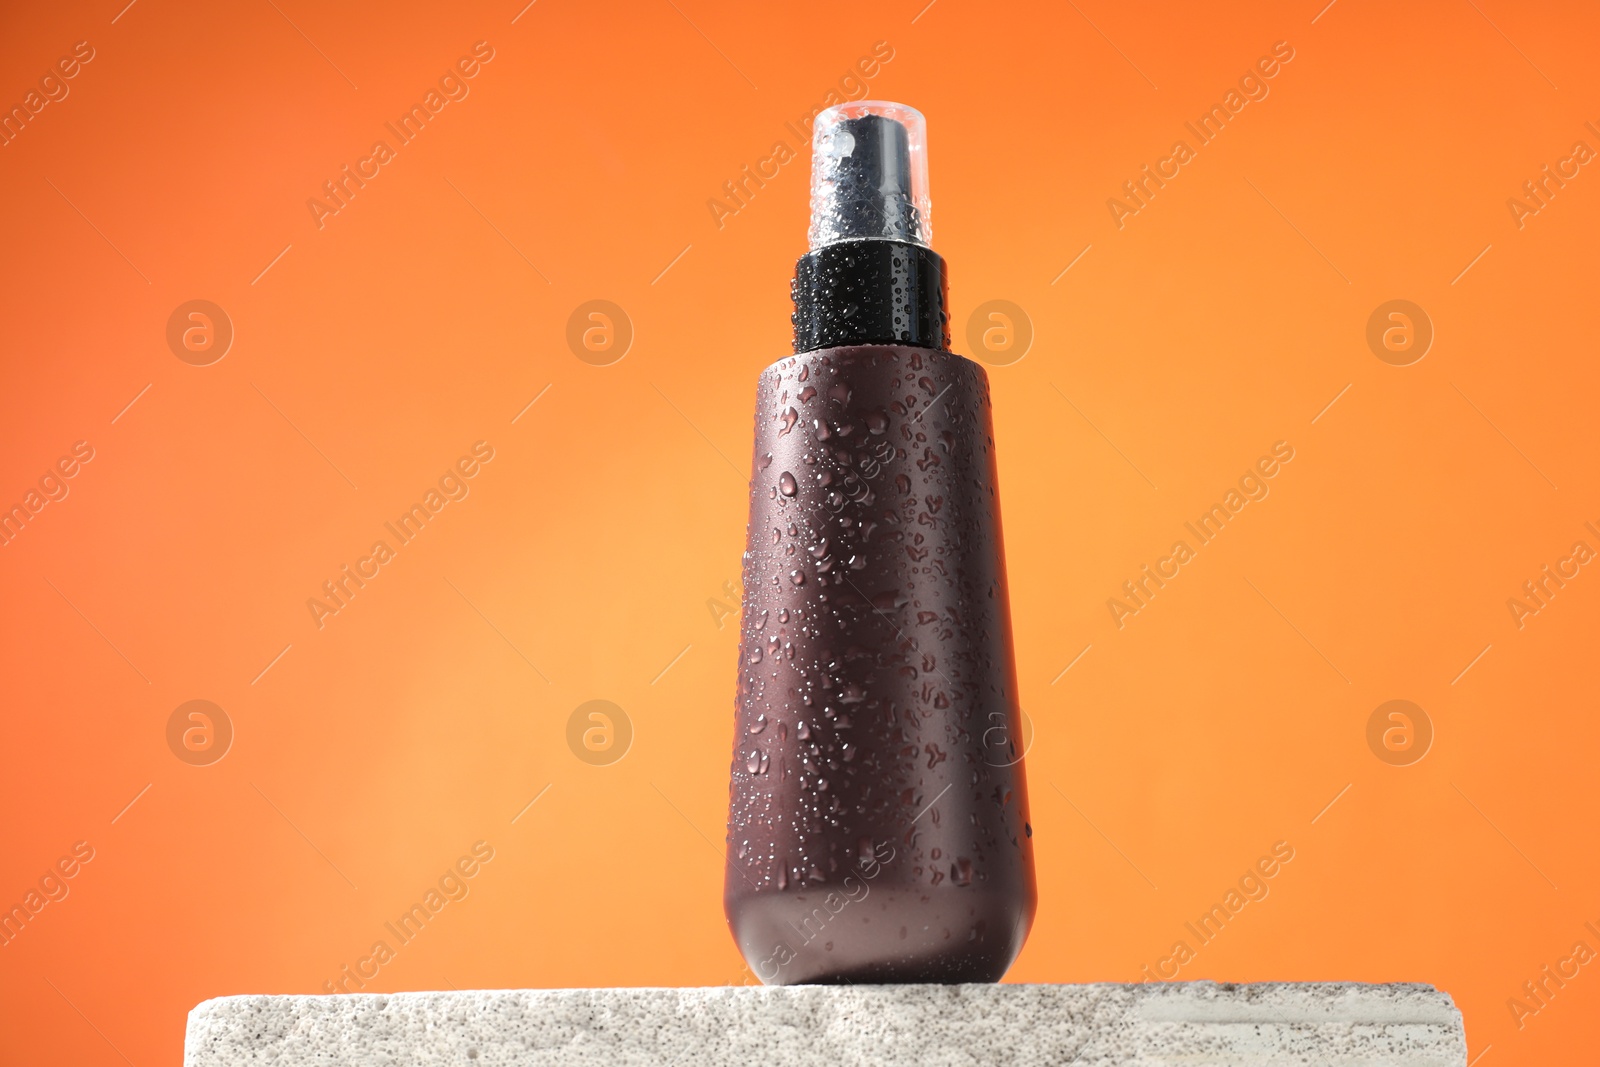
x=870 y=292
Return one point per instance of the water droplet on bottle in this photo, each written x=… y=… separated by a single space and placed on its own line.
x=754 y=656
x=787 y=485
x=752 y=762
x=797 y=577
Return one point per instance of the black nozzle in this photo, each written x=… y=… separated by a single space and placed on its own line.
x=867 y=186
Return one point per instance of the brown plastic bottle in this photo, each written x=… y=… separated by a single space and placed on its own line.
x=878 y=827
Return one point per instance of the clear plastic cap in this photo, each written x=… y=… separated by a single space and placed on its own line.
x=869 y=174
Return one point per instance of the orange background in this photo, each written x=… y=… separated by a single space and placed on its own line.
x=426 y=314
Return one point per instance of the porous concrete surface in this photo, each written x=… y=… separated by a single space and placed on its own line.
x=1189 y=1023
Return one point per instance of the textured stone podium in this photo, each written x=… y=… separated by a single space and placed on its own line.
x=1189 y=1023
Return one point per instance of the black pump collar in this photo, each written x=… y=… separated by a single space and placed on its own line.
x=870 y=292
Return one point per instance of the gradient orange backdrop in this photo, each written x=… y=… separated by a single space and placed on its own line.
x=591 y=555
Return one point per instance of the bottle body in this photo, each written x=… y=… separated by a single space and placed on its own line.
x=878 y=826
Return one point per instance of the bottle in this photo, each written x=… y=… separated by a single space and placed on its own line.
x=878 y=817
